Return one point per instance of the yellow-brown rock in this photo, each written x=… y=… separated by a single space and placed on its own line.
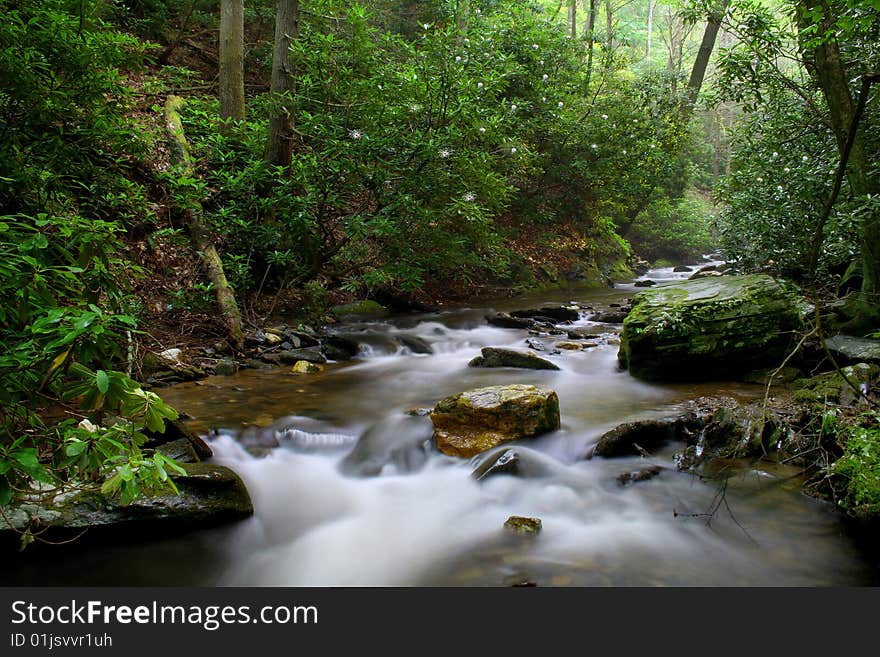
x=476 y=420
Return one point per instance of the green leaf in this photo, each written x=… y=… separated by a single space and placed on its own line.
x=111 y=485
x=74 y=449
x=157 y=462
x=26 y=538
x=26 y=457
x=103 y=381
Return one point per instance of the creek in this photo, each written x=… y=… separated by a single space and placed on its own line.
x=390 y=513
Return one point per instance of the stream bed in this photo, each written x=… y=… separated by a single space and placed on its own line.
x=351 y=497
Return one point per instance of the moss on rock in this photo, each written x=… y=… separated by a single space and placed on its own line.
x=210 y=495
x=710 y=327
x=832 y=387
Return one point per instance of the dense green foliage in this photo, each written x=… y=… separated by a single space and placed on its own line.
x=65 y=145
x=860 y=466
x=786 y=156
x=436 y=143
x=419 y=155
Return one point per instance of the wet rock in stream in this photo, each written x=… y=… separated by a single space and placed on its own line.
x=710 y=328
x=401 y=441
x=414 y=344
x=632 y=438
x=501 y=357
x=549 y=314
x=523 y=525
x=477 y=420
x=643 y=474
x=505 y=320
x=519 y=461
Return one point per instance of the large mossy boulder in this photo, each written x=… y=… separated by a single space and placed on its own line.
x=708 y=328
x=210 y=495
x=474 y=421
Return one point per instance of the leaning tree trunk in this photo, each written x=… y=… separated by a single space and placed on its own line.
x=279 y=146
x=701 y=64
x=199 y=237
x=231 y=60
x=824 y=62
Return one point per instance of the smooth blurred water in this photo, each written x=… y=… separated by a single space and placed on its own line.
x=354 y=495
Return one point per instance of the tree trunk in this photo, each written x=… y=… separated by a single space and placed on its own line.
x=698 y=72
x=591 y=40
x=572 y=19
x=461 y=15
x=824 y=62
x=652 y=4
x=609 y=28
x=199 y=237
x=231 y=60
x=279 y=146
x=676 y=45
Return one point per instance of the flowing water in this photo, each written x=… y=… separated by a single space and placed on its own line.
x=352 y=496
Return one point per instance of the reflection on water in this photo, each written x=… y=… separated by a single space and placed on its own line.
x=355 y=495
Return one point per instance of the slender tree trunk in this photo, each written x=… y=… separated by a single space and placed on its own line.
x=676 y=30
x=279 y=146
x=652 y=4
x=591 y=39
x=461 y=15
x=201 y=240
x=717 y=125
x=698 y=72
x=609 y=28
x=231 y=60
x=572 y=19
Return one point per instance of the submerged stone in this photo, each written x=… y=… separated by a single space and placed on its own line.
x=570 y=346
x=635 y=476
x=398 y=441
x=477 y=420
x=414 y=343
x=523 y=525
x=708 y=328
x=517 y=461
